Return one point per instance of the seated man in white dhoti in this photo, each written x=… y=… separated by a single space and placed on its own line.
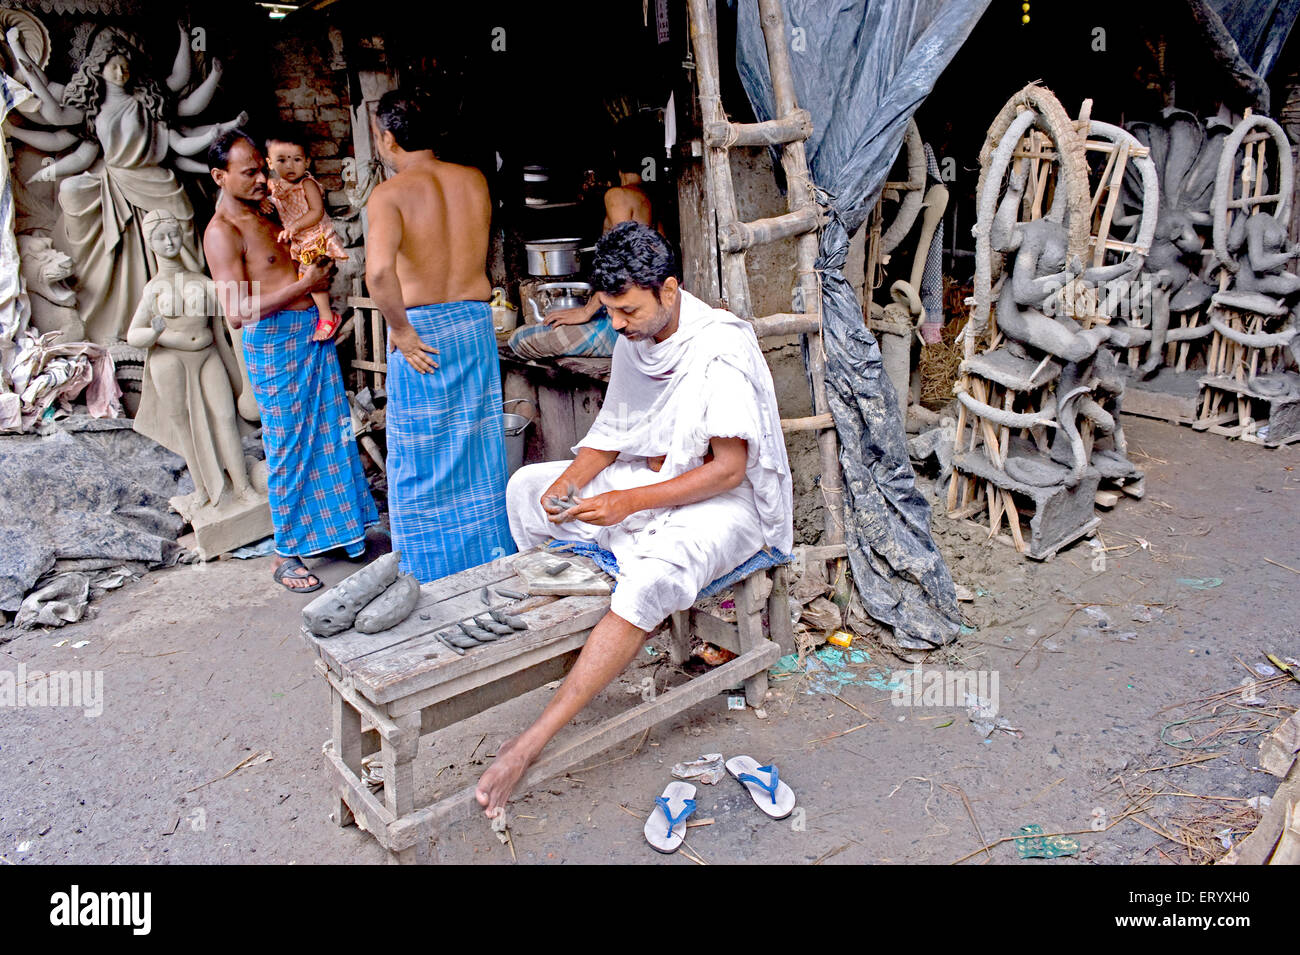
x=683 y=476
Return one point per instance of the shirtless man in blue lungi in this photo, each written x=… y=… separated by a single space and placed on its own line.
x=319 y=497
x=426 y=255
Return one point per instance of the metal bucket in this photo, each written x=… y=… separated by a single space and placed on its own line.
x=515 y=426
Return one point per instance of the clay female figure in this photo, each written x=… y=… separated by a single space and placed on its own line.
x=186 y=401
x=121 y=126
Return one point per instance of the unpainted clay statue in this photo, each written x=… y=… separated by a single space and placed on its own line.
x=336 y=609
x=1263 y=239
x=186 y=401
x=112 y=129
x=45 y=272
x=1037 y=274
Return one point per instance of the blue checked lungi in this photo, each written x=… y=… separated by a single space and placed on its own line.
x=593 y=339
x=318 y=491
x=446 y=446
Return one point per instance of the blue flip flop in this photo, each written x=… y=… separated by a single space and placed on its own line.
x=764 y=783
x=665 y=830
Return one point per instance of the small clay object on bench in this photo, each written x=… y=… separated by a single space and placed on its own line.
x=491 y=626
x=516 y=623
x=558 y=568
x=485 y=596
x=391 y=607
x=447 y=641
x=481 y=635
x=461 y=639
x=511 y=594
x=336 y=609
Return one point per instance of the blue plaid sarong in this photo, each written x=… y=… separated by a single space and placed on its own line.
x=319 y=496
x=593 y=339
x=606 y=561
x=446 y=446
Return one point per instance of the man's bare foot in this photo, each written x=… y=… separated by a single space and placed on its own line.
x=496 y=785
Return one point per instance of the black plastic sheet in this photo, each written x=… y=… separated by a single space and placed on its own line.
x=861 y=68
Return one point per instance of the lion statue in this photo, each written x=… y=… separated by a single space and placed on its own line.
x=45 y=272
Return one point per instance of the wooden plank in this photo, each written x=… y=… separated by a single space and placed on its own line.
x=814 y=423
x=769 y=326
x=749 y=626
x=464 y=705
x=679 y=641
x=493 y=670
x=372 y=815
x=720 y=190
x=345 y=735
x=349 y=646
x=588 y=742
x=416 y=664
x=739 y=236
x=796 y=127
x=779 y=625
x=557 y=423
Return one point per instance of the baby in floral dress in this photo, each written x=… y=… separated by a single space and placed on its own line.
x=300 y=201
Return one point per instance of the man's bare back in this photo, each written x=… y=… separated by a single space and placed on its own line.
x=627 y=203
x=445 y=214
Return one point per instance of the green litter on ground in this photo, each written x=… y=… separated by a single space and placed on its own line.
x=1038 y=846
x=830 y=669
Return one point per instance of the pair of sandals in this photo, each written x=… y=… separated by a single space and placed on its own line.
x=665 y=830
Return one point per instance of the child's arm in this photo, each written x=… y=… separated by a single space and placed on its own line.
x=315 y=208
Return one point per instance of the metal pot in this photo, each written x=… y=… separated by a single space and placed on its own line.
x=555 y=256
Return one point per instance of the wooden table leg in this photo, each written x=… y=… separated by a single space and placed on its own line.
x=348 y=746
x=749 y=620
x=679 y=640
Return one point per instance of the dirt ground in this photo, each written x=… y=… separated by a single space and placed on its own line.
x=203 y=669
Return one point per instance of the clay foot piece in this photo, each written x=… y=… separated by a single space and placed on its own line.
x=335 y=610
x=292 y=569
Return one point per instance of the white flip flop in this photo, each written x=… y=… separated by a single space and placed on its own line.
x=770 y=794
x=665 y=830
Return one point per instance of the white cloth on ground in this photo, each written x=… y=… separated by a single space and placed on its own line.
x=665 y=557
x=669 y=398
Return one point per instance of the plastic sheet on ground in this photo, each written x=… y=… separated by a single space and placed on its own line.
x=861 y=68
x=99 y=493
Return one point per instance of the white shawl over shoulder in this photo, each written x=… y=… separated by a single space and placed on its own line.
x=664 y=399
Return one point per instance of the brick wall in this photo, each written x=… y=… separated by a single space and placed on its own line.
x=314 y=99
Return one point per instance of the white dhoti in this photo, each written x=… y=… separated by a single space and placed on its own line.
x=665 y=556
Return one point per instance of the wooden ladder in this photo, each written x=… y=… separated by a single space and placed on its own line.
x=789 y=131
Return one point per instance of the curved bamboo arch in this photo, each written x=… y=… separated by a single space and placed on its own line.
x=1227 y=173
x=1032 y=106
x=1150 y=192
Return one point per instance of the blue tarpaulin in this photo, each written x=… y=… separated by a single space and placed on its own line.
x=861 y=68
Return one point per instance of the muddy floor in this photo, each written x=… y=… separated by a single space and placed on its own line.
x=208 y=748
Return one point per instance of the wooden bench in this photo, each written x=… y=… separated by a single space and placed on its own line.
x=389 y=689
